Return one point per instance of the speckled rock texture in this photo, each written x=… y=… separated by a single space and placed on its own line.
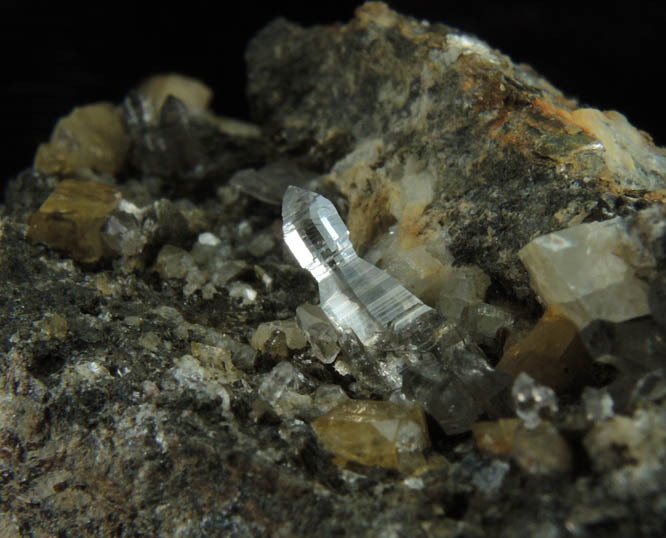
x=165 y=388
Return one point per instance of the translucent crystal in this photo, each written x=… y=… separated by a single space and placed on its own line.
x=326 y=397
x=588 y=272
x=495 y=438
x=354 y=294
x=280 y=389
x=541 y=450
x=269 y=183
x=397 y=347
x=243 y=291
x=598 y=403
x=319 y=332
x=373 y=433
x=294 y=337
x=532 y=400
x=552 y=353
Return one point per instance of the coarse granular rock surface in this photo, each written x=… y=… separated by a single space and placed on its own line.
x=167 y=386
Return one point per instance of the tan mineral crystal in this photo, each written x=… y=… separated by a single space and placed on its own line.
x=374 y=433
x=194 y=93
x=541 y=450
x=552 y=353
x=90 y=138
x=495 y=438
x=72 y=217
x=293 y=335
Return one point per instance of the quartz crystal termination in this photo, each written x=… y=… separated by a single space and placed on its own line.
x=354 y=294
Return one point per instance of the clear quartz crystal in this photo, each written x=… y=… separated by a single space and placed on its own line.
x=354 y=294
x=532 y=400
x=319 y=332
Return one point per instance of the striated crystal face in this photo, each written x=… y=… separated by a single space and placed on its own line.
x=354 y=294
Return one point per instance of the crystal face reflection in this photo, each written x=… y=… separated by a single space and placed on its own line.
x=354 y=294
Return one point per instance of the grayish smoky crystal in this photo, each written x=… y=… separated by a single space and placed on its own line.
x=354 y=294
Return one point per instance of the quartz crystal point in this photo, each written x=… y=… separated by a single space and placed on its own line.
x=354 y=294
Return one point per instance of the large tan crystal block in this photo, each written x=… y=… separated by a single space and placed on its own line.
x=72 y=217
x=90 y=138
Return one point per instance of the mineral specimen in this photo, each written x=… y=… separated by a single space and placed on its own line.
x=179 y=143
x=431 y=111
x=373 y=433
x=281 y=388
x=294 y=338
x=131 y=403
x=598 y=404
x=637 y=345
x=270 y=183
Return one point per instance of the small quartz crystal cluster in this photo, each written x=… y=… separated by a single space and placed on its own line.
x=405 y=350
x=454 y=327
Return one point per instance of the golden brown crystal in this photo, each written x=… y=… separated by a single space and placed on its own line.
x=90 y=138
x=374 y=433
x=552 y=353
x=72 y=217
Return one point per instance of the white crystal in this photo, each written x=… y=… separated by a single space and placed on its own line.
x=598 y=403
x=532 y=400
x=588 y=272
x=354 y=294
x=243 y=291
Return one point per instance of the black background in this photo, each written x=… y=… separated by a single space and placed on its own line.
x=54 y=56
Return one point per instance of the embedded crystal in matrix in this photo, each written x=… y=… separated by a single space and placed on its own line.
x=354 y=294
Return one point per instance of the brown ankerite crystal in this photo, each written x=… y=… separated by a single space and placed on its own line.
x=373 y=433
x=72 y=217
x=91 y=139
